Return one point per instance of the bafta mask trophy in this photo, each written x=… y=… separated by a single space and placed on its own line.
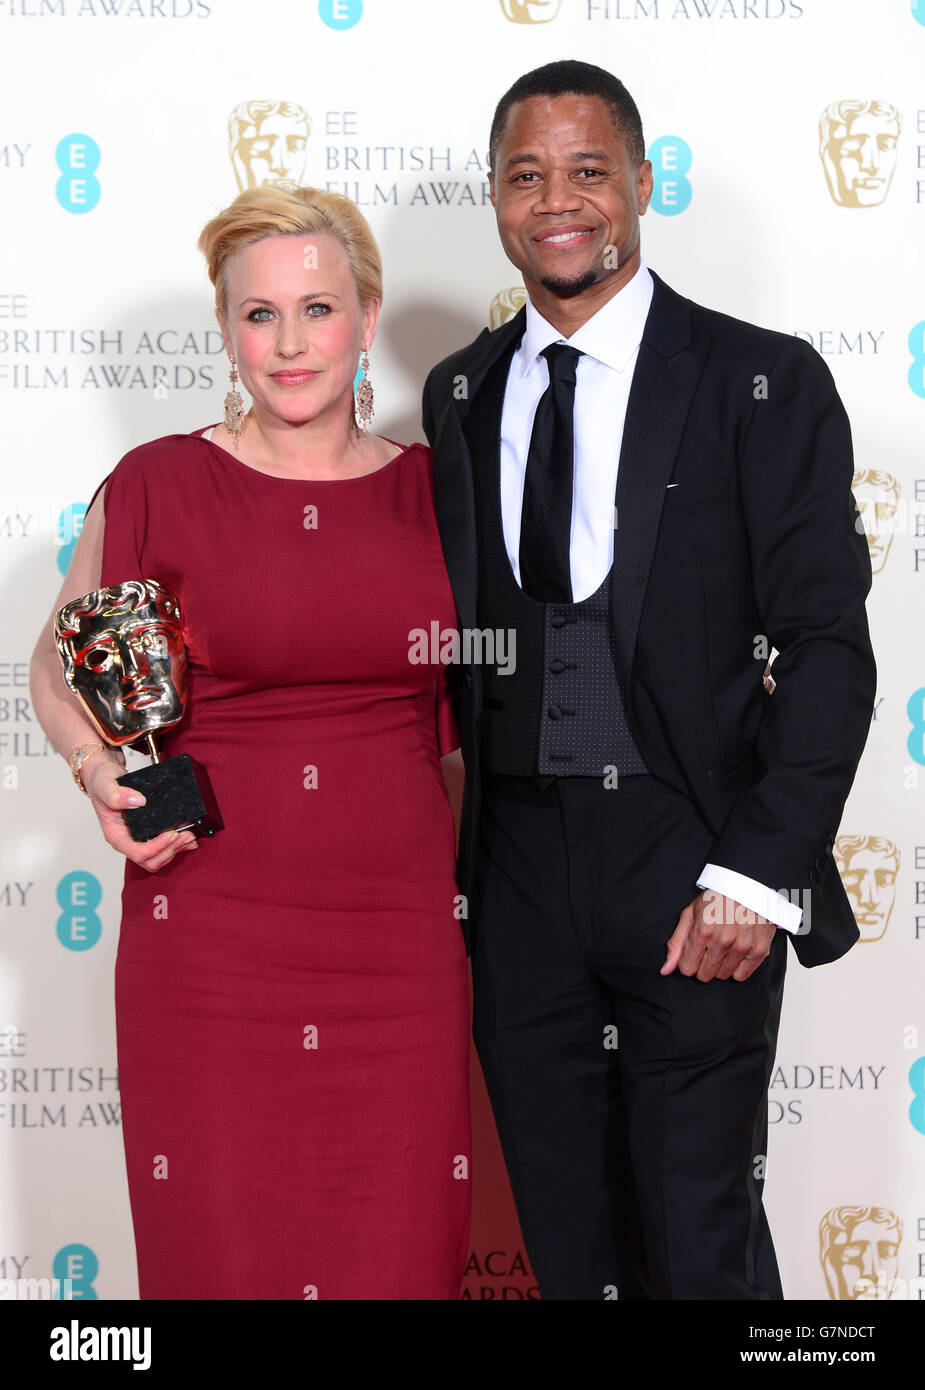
x=124 y=659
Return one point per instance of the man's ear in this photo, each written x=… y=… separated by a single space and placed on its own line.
x=491 y=188
x=644 y=184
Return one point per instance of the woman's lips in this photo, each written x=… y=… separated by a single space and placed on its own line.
x=293 y=378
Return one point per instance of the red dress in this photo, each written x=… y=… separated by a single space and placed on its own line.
x=266 y=1160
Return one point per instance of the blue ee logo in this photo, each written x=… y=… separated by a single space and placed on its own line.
x=70 y=523
x=79 y=926
x=340 y=14
x=671 y=159
x=916 y=377
x=918 y=11
x=78 y=157
x=915 y=709
x=917 y=1082
x=79 y=1264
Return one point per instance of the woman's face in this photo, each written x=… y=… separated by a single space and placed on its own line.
x=295 y=326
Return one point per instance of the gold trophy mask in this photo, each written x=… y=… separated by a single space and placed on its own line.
x=124 y=658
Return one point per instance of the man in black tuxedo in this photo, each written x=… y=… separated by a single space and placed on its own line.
x=651 y=495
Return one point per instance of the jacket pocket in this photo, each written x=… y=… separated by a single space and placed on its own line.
x=741 y=764
x=699 y=490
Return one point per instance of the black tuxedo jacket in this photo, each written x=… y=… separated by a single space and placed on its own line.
x=756 y=544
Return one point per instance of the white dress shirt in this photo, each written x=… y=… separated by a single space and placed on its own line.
x=609 y=343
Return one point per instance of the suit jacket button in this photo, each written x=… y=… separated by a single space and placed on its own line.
x=557 y=620
x=554 y=712
x=557 y=667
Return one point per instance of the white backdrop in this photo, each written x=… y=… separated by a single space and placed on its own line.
x=114 y=152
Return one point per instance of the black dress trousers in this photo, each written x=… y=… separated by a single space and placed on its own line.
x=631 y=1106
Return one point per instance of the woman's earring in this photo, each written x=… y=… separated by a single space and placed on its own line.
x=234 y=406
x=364 y=393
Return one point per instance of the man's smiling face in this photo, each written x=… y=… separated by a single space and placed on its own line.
x=567 y=197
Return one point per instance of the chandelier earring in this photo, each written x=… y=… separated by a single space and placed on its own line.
x=364 y=393
x=234 y=406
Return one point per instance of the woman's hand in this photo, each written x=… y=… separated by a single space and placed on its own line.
x=98 y=775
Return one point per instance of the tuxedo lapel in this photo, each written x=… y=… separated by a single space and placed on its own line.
x=454 y=494
x=667 y=371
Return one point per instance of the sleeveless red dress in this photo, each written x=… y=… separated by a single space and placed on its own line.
x=291 y=997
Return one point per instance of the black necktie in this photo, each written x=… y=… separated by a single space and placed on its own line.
x=546 y=519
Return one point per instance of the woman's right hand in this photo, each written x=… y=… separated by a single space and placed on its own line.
x=99 y=775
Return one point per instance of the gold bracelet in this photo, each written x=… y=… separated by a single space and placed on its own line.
x=81 y=754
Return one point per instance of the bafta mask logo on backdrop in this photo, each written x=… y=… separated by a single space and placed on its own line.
x=267 y=141
x=857 y=146
x=877 y=495
x=868 y=865
x=505 y=305
x=859 y=1252
x=530 y=11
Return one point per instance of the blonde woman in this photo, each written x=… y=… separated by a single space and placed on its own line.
x=291 y=995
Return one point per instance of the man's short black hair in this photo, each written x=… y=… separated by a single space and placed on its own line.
x=581 y=79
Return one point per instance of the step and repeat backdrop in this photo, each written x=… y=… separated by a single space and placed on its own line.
x=788 y=143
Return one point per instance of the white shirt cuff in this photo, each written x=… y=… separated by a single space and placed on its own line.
x=751 y=894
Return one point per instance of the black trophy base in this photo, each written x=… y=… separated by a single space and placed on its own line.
x=178 y=796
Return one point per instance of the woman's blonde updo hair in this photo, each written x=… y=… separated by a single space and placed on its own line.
x=287 y=210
